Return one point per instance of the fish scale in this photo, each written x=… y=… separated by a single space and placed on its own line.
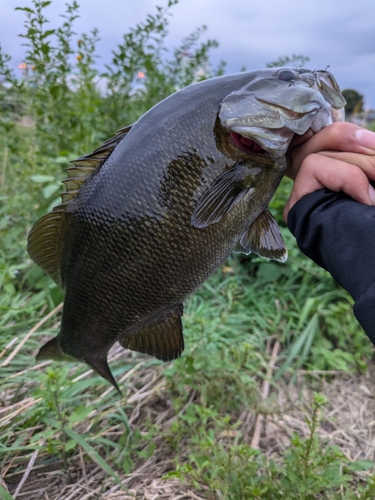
x=153 y=212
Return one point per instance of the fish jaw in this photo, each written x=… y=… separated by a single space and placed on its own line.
x=275 y=142
x=272 y=126
x=269 y=112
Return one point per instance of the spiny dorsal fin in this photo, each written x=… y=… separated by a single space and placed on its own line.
x=85 y=165
x=162 y=339
x=46 y=238
x=102 y=153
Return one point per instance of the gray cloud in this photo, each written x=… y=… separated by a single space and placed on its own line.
x=340 y=33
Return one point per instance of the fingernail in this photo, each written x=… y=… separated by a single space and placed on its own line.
x=371 y=193
x=365 y=138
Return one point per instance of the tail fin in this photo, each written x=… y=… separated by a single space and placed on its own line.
x=100 y=365
x=52 y=350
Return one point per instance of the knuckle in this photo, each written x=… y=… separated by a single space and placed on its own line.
x=309 y=162
x=344 y=134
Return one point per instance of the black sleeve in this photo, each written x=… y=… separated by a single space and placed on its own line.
x=338 y=234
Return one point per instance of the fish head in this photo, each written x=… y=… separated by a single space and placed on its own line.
x=263 y=116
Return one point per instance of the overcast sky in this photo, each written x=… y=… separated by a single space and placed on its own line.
x=340 y=33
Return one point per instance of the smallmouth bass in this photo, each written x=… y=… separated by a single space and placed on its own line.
x=152 y=213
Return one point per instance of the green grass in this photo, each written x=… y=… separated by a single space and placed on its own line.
x=307 y=471
x=229 y=325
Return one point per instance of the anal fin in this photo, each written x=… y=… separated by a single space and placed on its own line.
x=162 y=338
x=264 y=238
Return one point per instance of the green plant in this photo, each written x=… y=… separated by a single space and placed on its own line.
x=310 y=469
x=297 y=61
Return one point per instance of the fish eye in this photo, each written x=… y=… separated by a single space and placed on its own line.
x=287 y=75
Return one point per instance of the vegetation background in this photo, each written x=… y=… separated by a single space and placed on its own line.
x=272 y=398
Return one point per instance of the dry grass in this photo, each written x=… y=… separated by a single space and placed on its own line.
x=348 y=422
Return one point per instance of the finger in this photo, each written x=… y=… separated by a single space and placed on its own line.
x=336 y=175
x=365 y=162
x=340 y=136
x=291 y=170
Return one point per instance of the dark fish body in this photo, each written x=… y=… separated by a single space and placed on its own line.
x=150 y=215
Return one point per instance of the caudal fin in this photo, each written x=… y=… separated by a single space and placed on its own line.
x=52 y=350
x=100 y=365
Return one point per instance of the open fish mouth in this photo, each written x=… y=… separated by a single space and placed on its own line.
x=247 y=145
x=271 y=133
x=261 y=141
x=250 y=146
x=246 y=142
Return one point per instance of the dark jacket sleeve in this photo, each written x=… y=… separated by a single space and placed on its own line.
x=339 y=235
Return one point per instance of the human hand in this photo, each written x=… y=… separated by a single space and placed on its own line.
x=340 y=157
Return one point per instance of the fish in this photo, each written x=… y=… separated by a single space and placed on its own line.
x=152 y=213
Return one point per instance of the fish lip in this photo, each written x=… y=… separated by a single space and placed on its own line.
x=286 y=112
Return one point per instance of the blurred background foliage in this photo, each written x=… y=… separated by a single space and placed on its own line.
x=64 y=106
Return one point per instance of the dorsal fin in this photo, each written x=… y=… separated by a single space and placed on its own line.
x=85 y=165
x=102 y=153
x=47 y=235
x=44 y=245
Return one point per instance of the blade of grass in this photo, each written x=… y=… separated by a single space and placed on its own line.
x=93 y=454
x=33 y=330
x=4 y=494
x=302 y=344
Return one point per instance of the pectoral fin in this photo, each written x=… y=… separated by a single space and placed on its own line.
x=224 y=194
x=162 y=338
x=264 y=238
